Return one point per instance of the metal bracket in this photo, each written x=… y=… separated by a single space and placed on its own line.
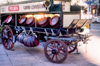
x=60 y=34
x=14 y=38
x=46 y=32
x=33 y=32
x=52 y=32
x=24 y=30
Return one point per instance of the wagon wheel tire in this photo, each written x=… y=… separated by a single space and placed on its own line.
x=72 y=47
x=56 y=51
x=7 y=37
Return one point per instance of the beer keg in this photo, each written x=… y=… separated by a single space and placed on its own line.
x=10 y=19
x=27 y=40
x=4 y=21
x=22 y=21
x=30 y=21
x=44 y=22
x=54 y=22
x=21 y=37
x=31 y=41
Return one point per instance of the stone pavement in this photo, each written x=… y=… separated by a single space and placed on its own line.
x=34 y=56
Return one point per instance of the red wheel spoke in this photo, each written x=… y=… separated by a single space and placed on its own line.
x=50 y=54
x=6 y=44
x=60 y=47
x=57 y=45
x=59 y=56
x=50 y=47
x=53 y=56
x=54 y=44
x=70 y=48
x=56 y=57
x=61 y=53
x=49 y=50
x=62 y=50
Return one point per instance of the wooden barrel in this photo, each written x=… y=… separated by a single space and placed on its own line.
x=35 y=41
x=44 y=22
x=25 y=41
x=4 y=21
x=22 y=21
x=10 y=19
x=21 y=37
x=54 y=22
x=31 y=41
x=30 y=21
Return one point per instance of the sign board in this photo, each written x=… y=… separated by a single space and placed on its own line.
x=65 y=5
x=31 y=7
x=28 y=7
x=93 y=6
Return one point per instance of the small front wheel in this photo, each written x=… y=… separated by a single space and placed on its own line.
x=56 y=51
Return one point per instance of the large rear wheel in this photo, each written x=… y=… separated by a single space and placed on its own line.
x=56 y=51
x=72 y=47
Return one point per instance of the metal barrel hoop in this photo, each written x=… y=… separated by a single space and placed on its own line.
x=29 y=41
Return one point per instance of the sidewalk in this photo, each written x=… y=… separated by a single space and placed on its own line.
x=34 y=56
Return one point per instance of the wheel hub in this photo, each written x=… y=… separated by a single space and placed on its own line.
x=54 y=51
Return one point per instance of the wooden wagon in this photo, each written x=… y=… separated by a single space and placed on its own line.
x=51 y=21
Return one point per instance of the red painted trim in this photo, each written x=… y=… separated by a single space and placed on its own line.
x=13 y=8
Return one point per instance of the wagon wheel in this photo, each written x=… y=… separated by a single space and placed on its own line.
x=72 y=47
x=7 y=37
x=56 y=51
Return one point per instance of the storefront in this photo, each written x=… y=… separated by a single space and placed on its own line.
x=94 y=10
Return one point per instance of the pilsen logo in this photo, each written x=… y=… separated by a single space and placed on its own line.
x=13 y=8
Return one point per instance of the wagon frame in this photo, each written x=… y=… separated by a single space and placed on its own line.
x=60 y=41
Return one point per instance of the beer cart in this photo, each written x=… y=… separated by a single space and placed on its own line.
x=31 y=22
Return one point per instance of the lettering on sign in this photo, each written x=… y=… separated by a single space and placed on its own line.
x=63 y=5
x=2 y=9
x=33 y=7
x=13 y=8
x=26 y=7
